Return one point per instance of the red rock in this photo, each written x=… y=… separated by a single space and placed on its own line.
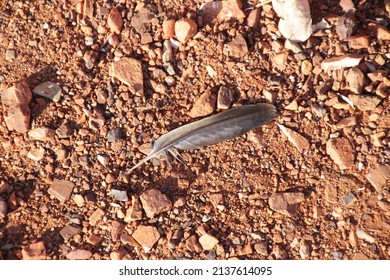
x=115 y=21
x=34 y=251
x=364 y=102
x=220 y=11
x=208 y=241
x=169 y=28
x=253 y=19
x=42 y=134
x=341 y=152
x=204 y=106
x=379 y=177
x=79 y=254
x=155 y=202
x=88 y=8
x=146 y=236
x=17 y=117
x=225 y=97
x=300 y=142
x=355 y=80
x=129 y=71
x=346 y=122
x=286 y=203
x=134 y=212
x=36 y=153
x=193 y=245
x=61 y=189
x=3 y=209
x=358 y=42
x=237 y=47
x=94 y=239
x=116 y=230
x=280 y=60
x=18 y=94
x=96 y=216
x=68 y=231
x=185 y=29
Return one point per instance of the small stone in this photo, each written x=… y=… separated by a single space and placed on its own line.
x=96 y=120
x=96 y=216
x=204 y=106
x=36 y=153
x=94 y=239
x=379 y=177
x=129 y=71
x=279 y=252
x=279 y=60
x=365 y=236
x=3 y=209
x=245 y=250
x=295 y=48
x=346 y=122
x=155 y=202
x=286 y=203
x=169 y=28
x=34 y=251
x=215 y=199
x=116 y=230
x=358 y=42
x=120 y=195
x=90 y=57
x=237 y=47
x=345 y=25
x=353 y=238
x=355 y=80
x=49 y=90
x=341 y=152
x=79 y=200
x=146 y=236
x=64 y=130
x=68 y=231
x=61 y=189
x=253 y=19
x=306 y=67
x=42 y=134
x=304 y=250
x=193 y=245
x=79 y=254
x=317 y=212
x=221 y=11
x=61 y=154
x=262 y=248
x=331 y=193
x=208 y=241
x=10 y=55
x=114 y=134
x=348 y=199
x=115 y=21
x=383 y=33
x=185 y=29
x=364 y=102
x=339 y=62
x=117 y=255
x=300 y=142
x=88 y=8
x=103 y=159
x=225 y=97
x=134 y=212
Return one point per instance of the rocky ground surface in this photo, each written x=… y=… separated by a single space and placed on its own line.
x=86 y=86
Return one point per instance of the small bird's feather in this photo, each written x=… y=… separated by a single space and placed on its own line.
x=211 y=130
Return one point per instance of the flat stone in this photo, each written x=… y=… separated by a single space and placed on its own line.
x=306 y=67
x=79 y=200
x=134 y=212
x=279 y=60
x=193 y=245
x=42 y=134
x=331 y=192
x=155 y=202
x=341 y=152
x=339 y=62
x=64 y=130
x=379 y=177
x=10 y=54
x=146 y=236
x=365 y=236
x=346 y=122
x=236 y=47
x=129 y=71
x=185 y=29
x=355 y=80
x=61 y=189
x=94 y=239
x=215 y=199
x=3 y=209
x=34 y=251
x=304 y=249
x=79 y=254
x=141 y=20
x=225 y=97
x=116 y=230
x=253 y=19
x=168 y=28
x=88 y=8
x=262 y=248
x=286 y=203
x=208 y=241
x=114 y=134
x=36 y=153
x=18 y=94
x=358 y=42
x=220 y=11
x=364 y=102
x=96 y=217
x=204 y=106
x=115 y=21
x=119 y=195
x=245 y=250
x=300 y=142
x=349 y=199
x=68 y=231
x=49 y=90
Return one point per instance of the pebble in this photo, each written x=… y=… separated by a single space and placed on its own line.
x=119 y=195
x=168 y=28
x=221 y=11
x=193 y=245
x=36 y=153
x=3 y=209
x=341 y=152
x=155 y=202
x=262 y=248
x=16 y=111
x=115 y=21
x=49 y=90
x=103 y=159
x=236 y=47
x=339 y=62
x=204 y=106
x=79 y=254
x=34 y=251
x=79 y=200
x=10 y=55
x=114 y=134
x=64 y=130
x=94 y=239
x=90 y=58
x=300 y=142
x=279 y=60
x=304 y=250
x=279 y=252
x=208 y=241
x=225 y=97
x=365 y=236
x=68 y=231
x=96 y=120
x=61 y=189
x=134 y=212
x=349 y=199
x=88 y=8
x=306 y=67
x=129 y=71
x=146 y=236
x=364 y=102
x=379 y=177
x=286 y=203
x=253 y=19
x=185 y=29
x=358 y=42
x=116 y=230
x=42 y=134
x=355 y=80
x=346 y=122
x=96 y=216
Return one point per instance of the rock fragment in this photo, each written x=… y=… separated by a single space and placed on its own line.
x=96 y=216
x=42 y=134
x=355 y=80
x=169 y=28
x=365 y=236
x=220 y=11
x=341 y=152
x=204 y=106
x=49 y=90
x=88 y=8
x=208 y=241
x=34 y=251
x=348 y=199
x=236 y=47
x=185 y=29
x=379 y=177
x=116 y=230
x=3 y=209
x=115 y=21
x=253 y=19
x=61 y=189
x=36 y=153
x=346 y=122
x=68 y=231
x=119 y=195
x=129 y=71
x=193 y=245
x=79 y=254
x=146 y=236
x=134 y=212
x=364 y=102
x=286 y=203
x=300 y=142
x=154 y=202
x=339 y=62
x=225 y=97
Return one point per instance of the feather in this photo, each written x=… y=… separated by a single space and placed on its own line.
x=211 y=130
